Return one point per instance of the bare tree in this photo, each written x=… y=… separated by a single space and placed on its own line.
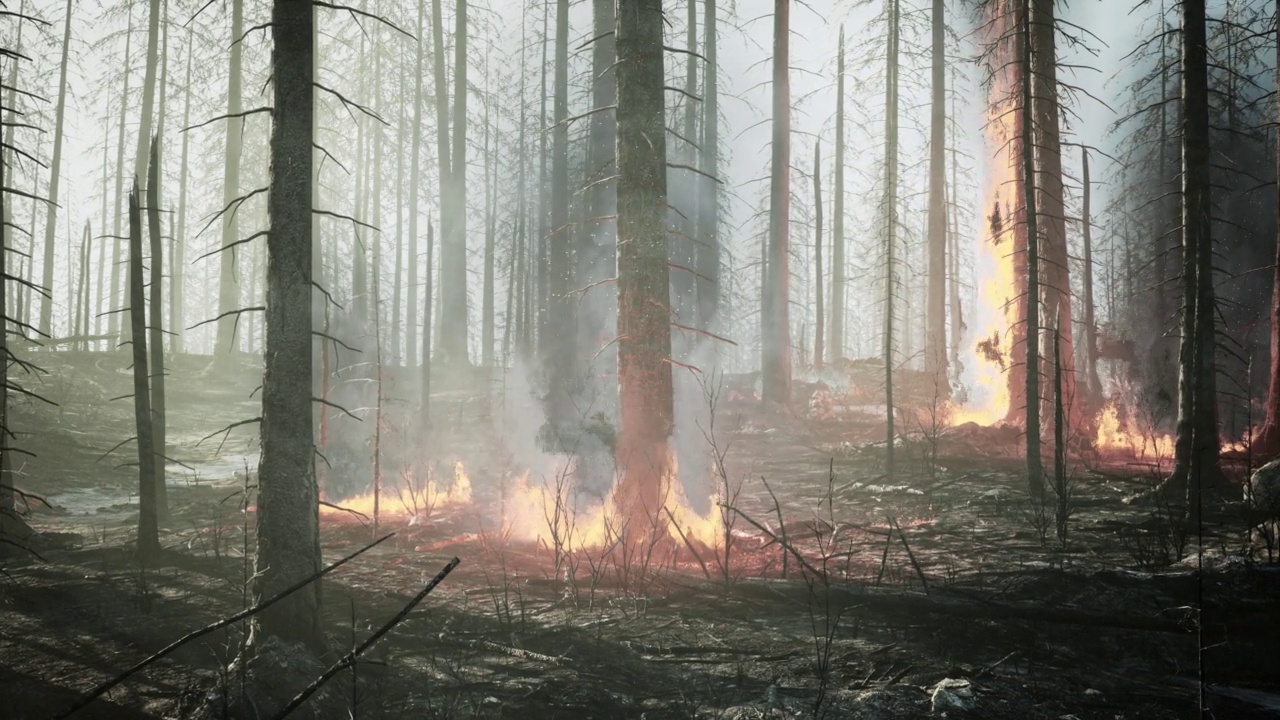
x=776 y=331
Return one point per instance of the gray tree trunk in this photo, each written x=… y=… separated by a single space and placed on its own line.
x=51 y=208
x=156 y=327
x=288 y=501
x=776 y=317
x=936 y=300
x=228 y=282
x=148 y=513
x=835 y=335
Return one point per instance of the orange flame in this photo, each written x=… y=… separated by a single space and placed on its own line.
x=1141 y=442
x=407 y=501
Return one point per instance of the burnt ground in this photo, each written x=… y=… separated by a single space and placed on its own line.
x=944 y=590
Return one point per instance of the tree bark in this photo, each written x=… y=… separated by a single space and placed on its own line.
x=707 y=250
x=558 y=344
x=1035 y=472
x=156 y=327
x=411 y=289
x=288 y=500
x=644 y=335
x=51 y=208
x=1267 y=445
x=819 y=322
x=453 y=247
x=228 y=283
x=115 y=302
x=936 y=301
x=1094 y=383
x=890 y=223
x=835 y=336
x=487 y=321
x=776 y=360
x=148 y=513
x=178 y=256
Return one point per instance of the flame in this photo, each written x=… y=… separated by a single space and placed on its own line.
x=408 y=500
x=989 y=347
x=1141 y=442
x=550 y=512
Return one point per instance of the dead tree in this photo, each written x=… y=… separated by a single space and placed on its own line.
x=1268 y=441
x=228 y=284
x=1093 y=382
x=156 y=328
x=835 y=335
x=1035 y=473
x=148 y=512
x=51 y=208
x=935 y=301
x=644 y=333
x=820 y=320
x=707 y=249
x=288 y=502
x=890 y=220
x=776 y=331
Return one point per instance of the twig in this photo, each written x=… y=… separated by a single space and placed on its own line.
x=100 y=690
x=350 y=658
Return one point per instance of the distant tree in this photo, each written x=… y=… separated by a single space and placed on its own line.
x=776 y=330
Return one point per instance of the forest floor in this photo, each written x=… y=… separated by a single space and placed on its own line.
x=944 y=591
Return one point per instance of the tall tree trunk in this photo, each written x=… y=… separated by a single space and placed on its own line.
x=116 y=304
x=936 y=301
x=776 y=331
x=148 y=512
x=288 y=500
x=424 y=403
x=644 y=334
x=819 y=321
x=81 y=327
x=707 y=249
x=490 y=230
x=1035 y=472
x=149 y=89
x=453 y=247
x=51 y=208
x=540 y=262
x=156 y=328
x=890 y=223
x=178 y=256
x=8 y=516
x=835 y=339
x=597 y=262
x=1267 y=445
x=558 y=346
x=683 y=186
x=397 y=287
x=100 y=296
x=228 y=278
x=1093 y=382
x=411 y=299
x=1051 y=212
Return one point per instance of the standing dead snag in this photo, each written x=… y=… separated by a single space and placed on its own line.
x=148 y=534
x=156 y=328
x=288 y=501
x=644 y=334
x=775 y=365
x=936 y=299
x=819 y=321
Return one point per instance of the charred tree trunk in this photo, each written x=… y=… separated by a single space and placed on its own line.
x=558 y=346
x=178 y=256
x=1035 y=472
x=288 y=500
x=644 y=334
x=707 y=249
x=835 y=339
x=1268 y=441
x=890 y=223
x=411 y=289
x=453 y=246
x=936 y=301
x=487 y=321
x=820 y=321
x=776 y=330
x=115 y=301
x=148 y=513
x=1051 y=212
x=156 y=328
x=51 y=208
x=228 y=283
x=1094 y=384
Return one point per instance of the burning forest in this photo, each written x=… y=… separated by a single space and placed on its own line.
x=640 y=359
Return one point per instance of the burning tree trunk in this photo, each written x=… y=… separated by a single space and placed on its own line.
x=1090 y=321
x=936 y=300
x=644 y=334
x=148 y=534
x=1035 y=477
x=835 y=335
x=776 y=331
x=1268 y=442
x=817 y=255
x=228 y=284
x=288 y=502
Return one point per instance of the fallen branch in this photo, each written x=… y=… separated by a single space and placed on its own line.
x=100 y=690
x=350 y=658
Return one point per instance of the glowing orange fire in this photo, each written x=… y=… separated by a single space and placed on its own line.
x=1113 y=434
x=989 y=347
x=407 y=499
x=548 y=512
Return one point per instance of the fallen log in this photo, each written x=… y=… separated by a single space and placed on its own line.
x=951 y=603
